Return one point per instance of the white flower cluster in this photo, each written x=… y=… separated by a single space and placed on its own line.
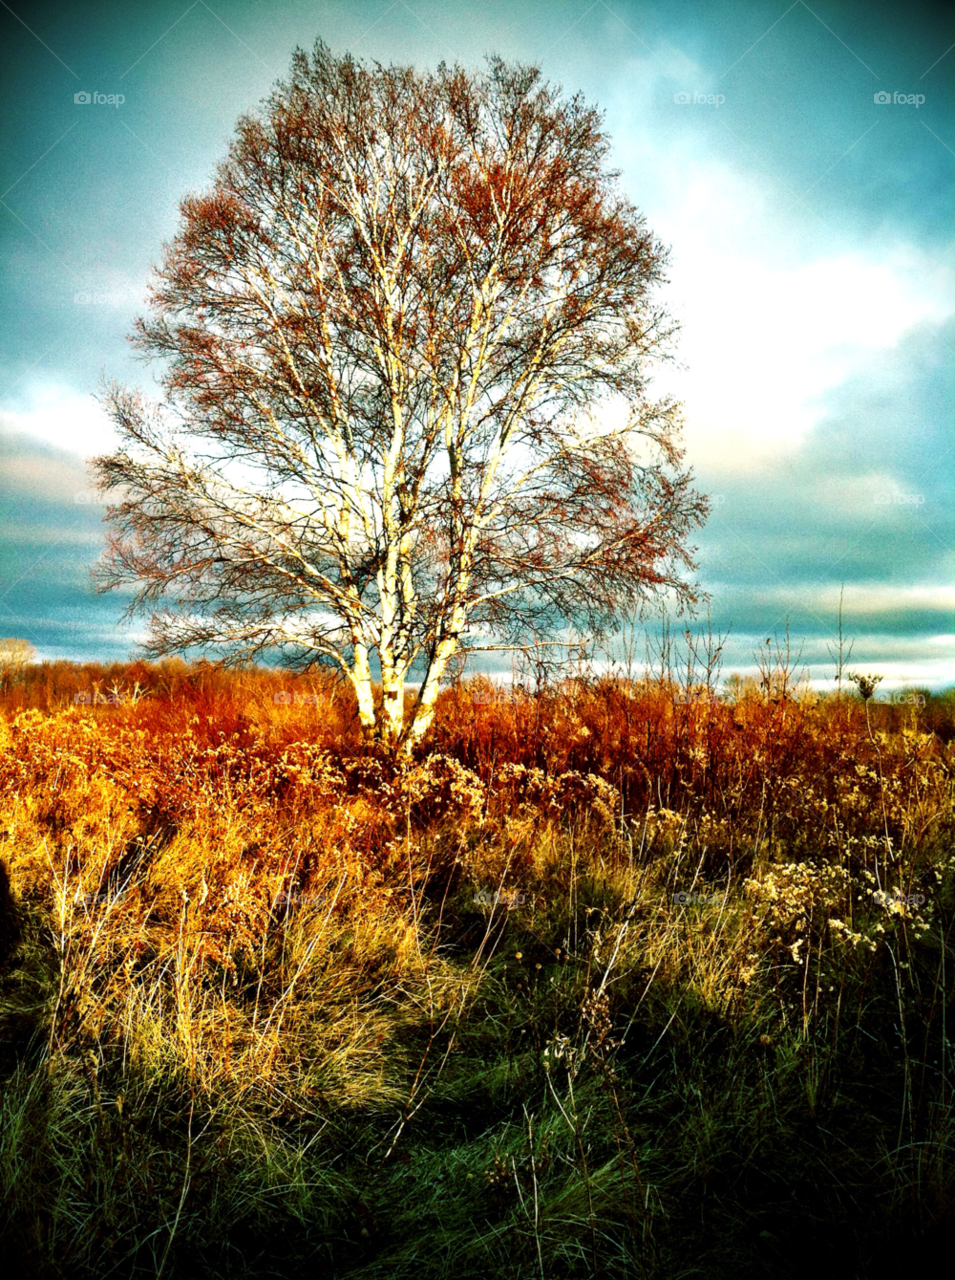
x=857 y=939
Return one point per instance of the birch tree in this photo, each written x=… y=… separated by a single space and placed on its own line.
x=405 y=342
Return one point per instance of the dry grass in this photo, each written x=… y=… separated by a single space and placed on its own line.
x=623 y=979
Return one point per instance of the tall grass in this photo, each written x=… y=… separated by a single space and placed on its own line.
x=618 y=978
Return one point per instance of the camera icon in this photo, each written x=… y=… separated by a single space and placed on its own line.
x=882 y=97
x=81 y=699
x=82 y=97
x=84 y=299
x=83 y=499
x=681 y=98
x=883 y=499
x=282 y=698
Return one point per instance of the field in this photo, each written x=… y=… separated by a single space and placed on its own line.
x=619 y=977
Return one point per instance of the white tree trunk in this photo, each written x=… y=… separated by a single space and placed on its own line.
x=360 y=676
x=428 y=694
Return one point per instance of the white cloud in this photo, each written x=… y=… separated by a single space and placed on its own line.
x=764 y=343
x=881 y=598
x=771 y=320
x=62 y=418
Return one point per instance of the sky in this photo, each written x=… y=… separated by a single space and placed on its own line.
x=799 y=163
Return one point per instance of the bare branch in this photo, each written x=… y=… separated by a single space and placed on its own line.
x=407 y=336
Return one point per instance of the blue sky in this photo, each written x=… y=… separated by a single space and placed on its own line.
x=812 y=235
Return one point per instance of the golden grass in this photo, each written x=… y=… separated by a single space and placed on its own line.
x=582 y=990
